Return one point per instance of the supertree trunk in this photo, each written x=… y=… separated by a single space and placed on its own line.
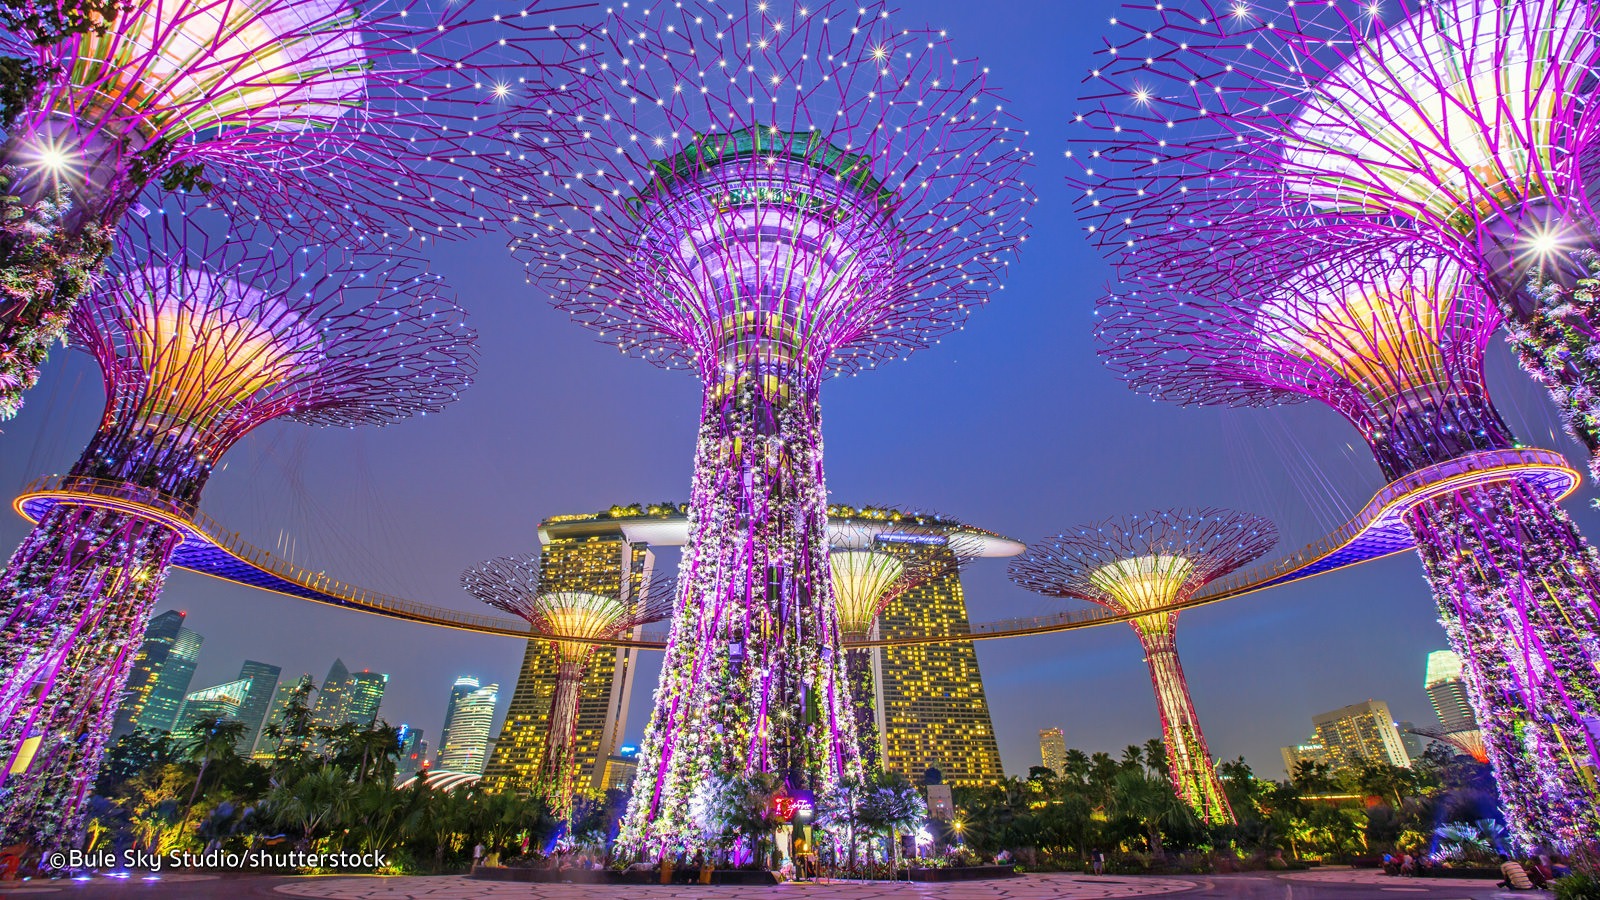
x=76 y=597
x=556 y=774
x=864 y=705
x=1194 y=778
x=754 y=679
x=1517 y=587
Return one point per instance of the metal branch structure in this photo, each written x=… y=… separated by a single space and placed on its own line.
x=865 y=580
x=1464 y=741
x=1396 y=345
x=1465 y=124
x=574 y=620
x=1149 y=561
x=200 y=340
x=319 y=118
x=769 y=196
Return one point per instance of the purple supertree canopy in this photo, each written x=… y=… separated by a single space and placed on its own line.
x=1393 y=342
x=1146 y=565
x=309 y=114
x=875 y=181
x=319 y=119
x=768 y=195
x=200 y=339
x=1396 y=345
x=1214 y=133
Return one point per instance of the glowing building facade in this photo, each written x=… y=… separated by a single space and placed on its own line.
x=1053 y=750
x=471 y=728
x=932 y=707
x=162 y=671
x=1360 y=732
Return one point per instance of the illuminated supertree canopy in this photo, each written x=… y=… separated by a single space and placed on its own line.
x=576 y=621
x=769 y=195
x=1465 y=124
x=310 y=117
x=1143 y=565
x=200 y=339
x=1396 y=345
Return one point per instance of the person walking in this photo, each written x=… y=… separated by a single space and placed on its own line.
x=1099 y=859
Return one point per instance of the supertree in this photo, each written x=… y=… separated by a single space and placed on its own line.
x=576 y=621
x=312 y=117
x=1464 y=741
x=1142 y=565
x=1396 y=344
x=769 y=197
x=200 y=339
x=1467 y=124
x=865 y=580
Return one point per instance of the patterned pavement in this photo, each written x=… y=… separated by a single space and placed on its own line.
x=1032 y=887
x=1376 y=878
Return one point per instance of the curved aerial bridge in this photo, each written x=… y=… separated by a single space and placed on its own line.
x=1378 y=530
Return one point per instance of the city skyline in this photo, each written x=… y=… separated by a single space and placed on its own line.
x=412 y=539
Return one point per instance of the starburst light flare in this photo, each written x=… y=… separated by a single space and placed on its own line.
x=1468 y=124
x=1396 y=345
x=320 y=119
x=769 y=196
x=200 y=339
x=576 y=621
x=1144 y=564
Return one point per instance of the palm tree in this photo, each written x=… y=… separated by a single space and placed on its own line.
x=893 y=808
x=1152 y=804
x=1155 y=757
x=212 y=739
x=1076 y=767
x=841 y=808
x=320 y=799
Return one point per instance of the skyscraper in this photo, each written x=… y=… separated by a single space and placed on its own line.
x=266 y=745
x=1361 y=731
x=464 y=685
x=163 y=670
x=349 y=698
x=413 y=753
x=588 y=553
x=470 y=730
x=223 y=701
x=1448 y=692
x=1053 y=750
x=263 y=684
x=934 y=712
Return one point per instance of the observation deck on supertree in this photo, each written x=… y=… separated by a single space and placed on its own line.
x=770 y=197
x=1147 y=561
x=1466 y=124
x=1395 y=343
x=200 y=340
x=573 y=620
x=318 y=118
x=865 y=580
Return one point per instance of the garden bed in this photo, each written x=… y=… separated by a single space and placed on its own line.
x=606 y=876
x=964 y=873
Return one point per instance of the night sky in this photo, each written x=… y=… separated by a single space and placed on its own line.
x=1012 y=425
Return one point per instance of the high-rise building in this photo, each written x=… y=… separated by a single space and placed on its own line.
x=263 y=680
x=413 y=753
x=266 y=745
x=464 y=685
x=470 y=730
x=1309 y=752
x=579 y=553
x=222 y=701
x=933 y=712
x=1361 y=731
x=162 y=671
x=620 y=768
x=349 y=698
x=1448 y=692
x=1053 y=750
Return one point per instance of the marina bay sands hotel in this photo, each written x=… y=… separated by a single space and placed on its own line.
x=931 y=708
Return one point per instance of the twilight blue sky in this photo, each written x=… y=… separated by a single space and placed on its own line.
x=1012 y=425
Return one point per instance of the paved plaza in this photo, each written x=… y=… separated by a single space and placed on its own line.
x=1328 y=884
